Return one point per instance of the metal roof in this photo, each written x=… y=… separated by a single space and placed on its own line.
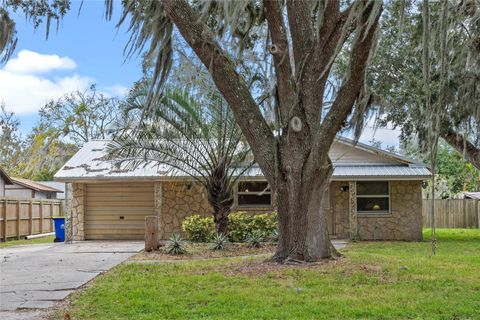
x=360 y=172
x=471 y=195
x=90 y=164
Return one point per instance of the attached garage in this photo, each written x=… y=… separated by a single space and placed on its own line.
x=117 y=211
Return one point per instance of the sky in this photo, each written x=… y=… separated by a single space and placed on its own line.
x=86 y=50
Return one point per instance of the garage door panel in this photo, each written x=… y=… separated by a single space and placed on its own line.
x=106 y=203
x=115 y=219
x=117 y=212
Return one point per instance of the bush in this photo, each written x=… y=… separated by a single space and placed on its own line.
x=198 y=229
x=176 y=245
x=242 y=225
x=219 y=241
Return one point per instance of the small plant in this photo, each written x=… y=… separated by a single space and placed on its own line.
x=176 y=245
x=275 y=235
x=255 y=239
x=219 y=241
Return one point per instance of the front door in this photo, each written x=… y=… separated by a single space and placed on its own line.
x=328 y=207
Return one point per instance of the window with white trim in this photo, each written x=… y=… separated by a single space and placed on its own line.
x=254 y=194
x=373 y=197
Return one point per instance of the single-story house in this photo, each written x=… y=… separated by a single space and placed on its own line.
x=373 y=194
x=24 y=188
x=4 y=180
x=60 y=186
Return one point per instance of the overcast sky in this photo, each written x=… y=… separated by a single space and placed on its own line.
x=85 y=50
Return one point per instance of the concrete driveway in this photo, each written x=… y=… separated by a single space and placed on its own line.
x=34 y=277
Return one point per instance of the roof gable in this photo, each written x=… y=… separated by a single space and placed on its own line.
x=346 y=151
x=6 y=178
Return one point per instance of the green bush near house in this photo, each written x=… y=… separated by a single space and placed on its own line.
x=198 y=229
x=243 y=224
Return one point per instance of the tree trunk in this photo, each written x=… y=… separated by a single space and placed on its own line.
x=220 y=217
x=220 y=197
x=302 y=217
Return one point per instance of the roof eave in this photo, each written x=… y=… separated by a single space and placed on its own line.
x=381 y=178
x=5 y=177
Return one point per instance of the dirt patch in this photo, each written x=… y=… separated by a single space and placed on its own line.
x=197 y=251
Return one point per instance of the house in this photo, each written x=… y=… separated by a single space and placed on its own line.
x=24 y=188
x=4 y=180
x=373 y=194
x=60 y=186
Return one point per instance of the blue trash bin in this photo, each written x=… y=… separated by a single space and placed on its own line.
x=59 y=223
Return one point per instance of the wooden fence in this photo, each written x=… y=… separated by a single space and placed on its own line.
x=452 y=213
x=23 y=217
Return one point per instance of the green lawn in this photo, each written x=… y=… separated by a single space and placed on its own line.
x=375 y=280
x=48 y=239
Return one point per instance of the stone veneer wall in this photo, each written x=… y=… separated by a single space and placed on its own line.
x=403 y=223
x=178 y=201
x=78 y=210
x=341 y=209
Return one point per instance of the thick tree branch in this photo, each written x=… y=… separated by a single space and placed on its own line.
x=301 y=29
x=465 y=147
x=281 y=56
x=228 y=81
x=349 y=91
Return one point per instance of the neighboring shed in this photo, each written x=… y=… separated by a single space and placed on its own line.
x=373 y=194
x=4 y=180
x=24 y=188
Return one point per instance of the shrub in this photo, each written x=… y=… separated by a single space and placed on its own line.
x=198 y=229
x=255 y=239
x=176 y=245
x=239 y=226
x=219 y=241
x=265 y=223
x=243 y=224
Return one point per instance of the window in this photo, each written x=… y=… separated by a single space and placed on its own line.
x=373 y=197
x=254 y=194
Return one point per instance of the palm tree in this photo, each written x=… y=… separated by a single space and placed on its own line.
x=197 y=138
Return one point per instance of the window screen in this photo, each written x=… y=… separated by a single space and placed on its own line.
x=373 y=197
x=254 y=194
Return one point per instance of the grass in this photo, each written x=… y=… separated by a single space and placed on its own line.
x=11 y=243
x=375 y=280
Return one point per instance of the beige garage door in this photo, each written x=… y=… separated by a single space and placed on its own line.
x=117 y=211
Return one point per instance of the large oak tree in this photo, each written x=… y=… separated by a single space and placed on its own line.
x=304 y=40
x=453 y=60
